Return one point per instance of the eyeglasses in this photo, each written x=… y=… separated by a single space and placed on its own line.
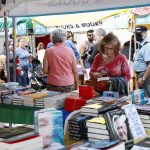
x=108 y=48
x=11 y=44
x=90 y=35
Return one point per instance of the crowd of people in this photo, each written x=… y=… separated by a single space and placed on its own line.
x=101 y=54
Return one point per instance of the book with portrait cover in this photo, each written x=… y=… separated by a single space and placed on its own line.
x=118 y=126
x=49 y=124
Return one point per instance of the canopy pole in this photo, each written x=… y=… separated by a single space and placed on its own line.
x=7 y=51
x=14 y=47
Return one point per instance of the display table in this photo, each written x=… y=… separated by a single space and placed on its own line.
x=17 y=114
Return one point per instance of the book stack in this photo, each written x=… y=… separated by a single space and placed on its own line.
x=5 y=96
x=29 y=99
x=56 y=101
x=19 y=138
x=144 y=114
x=105 y=99
x=17 y=100
x=97 y=129
x=33 y=142
x=77 y=127
x=91 y=109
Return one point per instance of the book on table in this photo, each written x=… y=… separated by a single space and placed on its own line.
x=103 y=79
x=135 y=123
x=14 y=131
x=49 y=124
x=18 y=144
x=96 y=122
x=92 y=108
x=118 y=126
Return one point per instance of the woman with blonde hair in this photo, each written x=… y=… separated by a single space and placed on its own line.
x=40 y=52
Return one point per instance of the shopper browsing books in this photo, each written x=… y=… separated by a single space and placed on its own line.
x=60 y=65
x=112 y=64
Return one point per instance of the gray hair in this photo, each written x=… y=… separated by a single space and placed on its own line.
x=58 y=36
x=100 y=31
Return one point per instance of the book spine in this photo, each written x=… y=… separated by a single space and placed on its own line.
x=109 y=126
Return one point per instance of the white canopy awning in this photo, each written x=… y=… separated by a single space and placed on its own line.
x=52 y=7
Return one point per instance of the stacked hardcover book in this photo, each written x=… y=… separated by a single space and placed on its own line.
x=77 y=127
x=144 y=113
x=97 y=129
x=19 y=138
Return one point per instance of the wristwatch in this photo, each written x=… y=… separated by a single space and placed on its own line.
x=143 y=78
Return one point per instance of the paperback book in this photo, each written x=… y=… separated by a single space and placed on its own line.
x=14 y=131
x=135 y=123
x=49 y=124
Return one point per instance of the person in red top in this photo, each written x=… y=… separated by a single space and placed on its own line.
x=60 y=64
x=111 y=63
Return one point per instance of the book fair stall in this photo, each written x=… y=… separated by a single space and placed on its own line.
x=33 y=118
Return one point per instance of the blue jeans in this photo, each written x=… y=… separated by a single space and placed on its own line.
x=23 y=79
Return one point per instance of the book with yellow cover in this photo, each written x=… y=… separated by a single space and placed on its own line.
x=92 y=108
x=96 y=122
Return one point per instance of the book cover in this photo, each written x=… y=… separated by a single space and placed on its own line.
x=135 y=123
x=96 y=122
x=79 y=119
x=14 y=131
x=103 y=79
x=104 y=144
x=93 y=108
x=118 y=125
x=49 y=124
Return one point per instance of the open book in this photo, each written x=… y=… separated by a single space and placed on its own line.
x=103 y=79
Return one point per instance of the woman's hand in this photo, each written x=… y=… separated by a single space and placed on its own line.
x=140 y=82
x=97 y=75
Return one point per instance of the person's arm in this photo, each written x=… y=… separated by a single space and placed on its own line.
x=94 y=74
x=45 y=63
x=145 y=76
x=125 y=69
x=75 y=72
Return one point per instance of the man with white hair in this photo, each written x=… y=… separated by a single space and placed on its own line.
x=98 y=36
